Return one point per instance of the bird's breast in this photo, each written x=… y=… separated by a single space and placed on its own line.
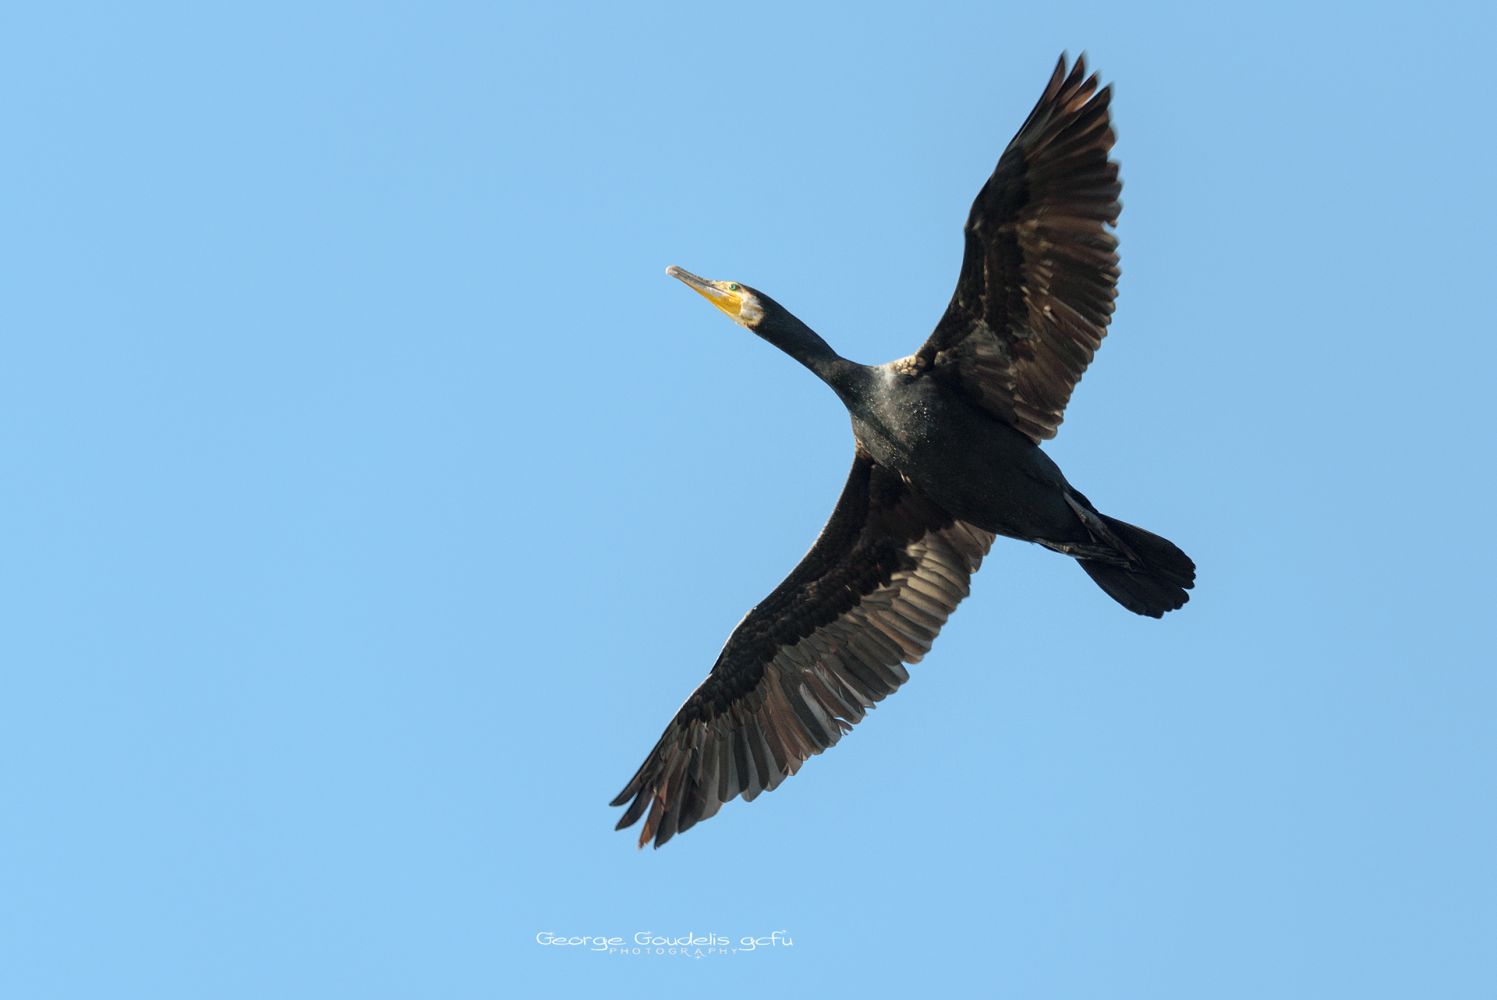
x=915 y=427
x=974 y=465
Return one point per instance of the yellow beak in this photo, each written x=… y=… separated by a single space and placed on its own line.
x=715 y=292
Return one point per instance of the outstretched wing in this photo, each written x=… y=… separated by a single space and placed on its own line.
x=807 y=663
x=1040 y=271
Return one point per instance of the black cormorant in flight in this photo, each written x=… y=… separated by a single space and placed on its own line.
x=947 y=456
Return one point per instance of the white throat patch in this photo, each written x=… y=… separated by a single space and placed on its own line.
x=751 y=312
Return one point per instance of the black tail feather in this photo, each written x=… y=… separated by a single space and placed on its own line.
x=1153 y=579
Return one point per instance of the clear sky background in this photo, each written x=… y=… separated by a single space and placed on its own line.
x=371 y=499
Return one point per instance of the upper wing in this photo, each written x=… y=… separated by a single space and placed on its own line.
x=1040 y=271
x=806 y=664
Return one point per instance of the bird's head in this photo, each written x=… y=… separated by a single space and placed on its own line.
x=753 y=310
x=742 y=304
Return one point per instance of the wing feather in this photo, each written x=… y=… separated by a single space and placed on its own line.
x=808 y=662
x=1039 y=274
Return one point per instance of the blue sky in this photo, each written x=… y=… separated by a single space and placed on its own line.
x=372 y=499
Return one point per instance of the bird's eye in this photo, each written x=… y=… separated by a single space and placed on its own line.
x=733 y=286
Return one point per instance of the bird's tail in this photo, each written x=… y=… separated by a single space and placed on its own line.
x=1149 y=576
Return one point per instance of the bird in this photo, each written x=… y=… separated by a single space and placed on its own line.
x=947 y=457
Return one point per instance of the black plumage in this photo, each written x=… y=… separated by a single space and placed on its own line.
x=947 y=457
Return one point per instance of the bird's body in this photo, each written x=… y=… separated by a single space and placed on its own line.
x=947 y=456
x=973 y=465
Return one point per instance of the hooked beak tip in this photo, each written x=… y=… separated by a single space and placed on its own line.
x=693 y=281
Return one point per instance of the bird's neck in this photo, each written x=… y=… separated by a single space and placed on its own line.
x=804 y=345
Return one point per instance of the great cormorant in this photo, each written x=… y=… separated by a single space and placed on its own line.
x=947 y=456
